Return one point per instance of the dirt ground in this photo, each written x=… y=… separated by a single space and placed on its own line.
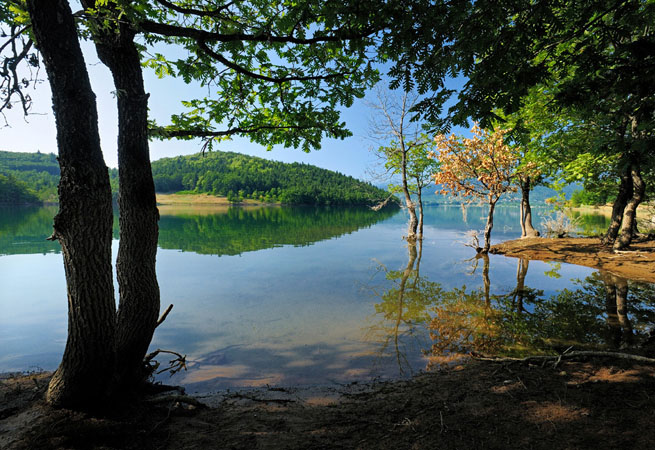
x=586 y=403
x=594 y=404
x=638 y=263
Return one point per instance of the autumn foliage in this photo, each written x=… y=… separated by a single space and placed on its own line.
x=482 y=167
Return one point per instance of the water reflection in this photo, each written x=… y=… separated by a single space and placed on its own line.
x=602 y=311
x=238 y=230
x=24 y=229
x=228 y=231
x=402 y=312
x=605 y=311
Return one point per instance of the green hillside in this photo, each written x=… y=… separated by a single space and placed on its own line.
x=37 y=174
x=239 y=176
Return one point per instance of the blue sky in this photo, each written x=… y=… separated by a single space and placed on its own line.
x=351 y=156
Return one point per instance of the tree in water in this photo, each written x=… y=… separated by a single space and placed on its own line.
x=404 y=153
x=482 y=167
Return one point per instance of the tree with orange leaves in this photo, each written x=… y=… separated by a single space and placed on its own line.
x=482 y=167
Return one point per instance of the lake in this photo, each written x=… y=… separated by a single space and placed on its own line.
x=307 y=296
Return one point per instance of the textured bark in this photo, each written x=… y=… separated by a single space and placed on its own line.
x=527 y=230
x=83 y=225
x=628 y=225
x=489 y=226
x=135 y=265
x=625 y=192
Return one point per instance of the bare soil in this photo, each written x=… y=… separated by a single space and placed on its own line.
x=593 y=404
x=637 y=263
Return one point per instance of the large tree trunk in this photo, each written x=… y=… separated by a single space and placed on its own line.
x=83 y=225
x=629 y=226
x=489 y=226
x=527 y=230
x=625 y=192
x=135 y=266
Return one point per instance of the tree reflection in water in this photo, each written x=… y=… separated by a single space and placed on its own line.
x=603 y=312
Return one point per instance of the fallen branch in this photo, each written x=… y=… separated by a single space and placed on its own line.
x=571 y=355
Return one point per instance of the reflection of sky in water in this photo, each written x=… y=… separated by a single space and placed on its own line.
x=284 y=315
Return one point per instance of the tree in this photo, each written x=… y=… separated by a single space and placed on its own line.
x=595 y=58
x=83 y=225
x=481 y=167
x=271 y=102
x=404 y=147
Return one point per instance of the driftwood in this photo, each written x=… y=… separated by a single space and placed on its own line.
x=570 y=355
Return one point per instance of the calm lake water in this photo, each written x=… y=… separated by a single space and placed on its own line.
x=282 y=296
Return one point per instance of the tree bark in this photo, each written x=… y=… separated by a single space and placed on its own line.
x=527 y=230
x=135 y=265
x=420 y=210
x=411 y=208
x=625 y=192
x=489 y=226
x=83 y=225
x=629 y=226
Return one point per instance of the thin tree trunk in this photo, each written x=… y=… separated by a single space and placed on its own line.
x=486 y=281
x=83 y=225
x=135 y=265
x=411 y=208
x=489 y=226
x=625 y=192
x=630 y=212
x=420 y=210
x=527 y=230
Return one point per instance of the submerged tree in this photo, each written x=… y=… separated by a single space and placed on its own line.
x=482 y=167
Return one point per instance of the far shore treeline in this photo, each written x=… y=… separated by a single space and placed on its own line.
x=33 y=177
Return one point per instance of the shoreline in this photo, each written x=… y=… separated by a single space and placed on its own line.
x=637 y=264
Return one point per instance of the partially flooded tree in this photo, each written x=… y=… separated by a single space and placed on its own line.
x=404 y=152
x=482 y=167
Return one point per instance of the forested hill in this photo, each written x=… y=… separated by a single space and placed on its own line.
x=33 y=177
x=239 y=176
